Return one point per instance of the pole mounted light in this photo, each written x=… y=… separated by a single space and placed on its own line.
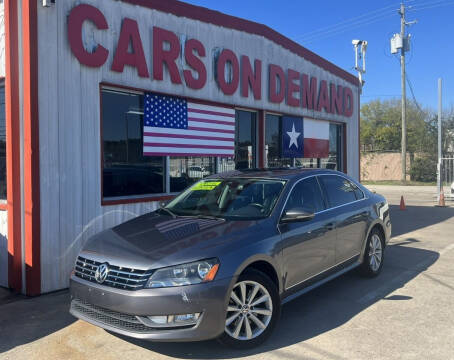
x=360 y=47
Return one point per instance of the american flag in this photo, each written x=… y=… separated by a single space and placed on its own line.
x=177 y=127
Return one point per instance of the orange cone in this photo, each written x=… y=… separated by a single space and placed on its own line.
x=402 y=203
x=441 y=201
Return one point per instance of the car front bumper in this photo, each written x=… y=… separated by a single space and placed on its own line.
x=119 y=310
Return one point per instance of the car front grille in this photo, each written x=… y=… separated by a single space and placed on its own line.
x=108 y=317
x=118 y=277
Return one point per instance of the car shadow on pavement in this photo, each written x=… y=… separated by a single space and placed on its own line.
x=319 y=311
x=26 y=319
x=417 y=217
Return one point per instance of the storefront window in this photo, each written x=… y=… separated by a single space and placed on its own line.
x=2 y=144
x=273 y=147
x=126 y=171
x=185 y=171
x=245 y=135
x=334 y=161
x=273 y=136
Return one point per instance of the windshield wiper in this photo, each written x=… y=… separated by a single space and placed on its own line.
x=201 y=216
x=168 y=212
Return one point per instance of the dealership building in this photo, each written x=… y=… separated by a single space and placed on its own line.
x=109 y=107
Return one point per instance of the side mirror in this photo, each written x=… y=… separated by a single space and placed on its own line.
x=296 y=215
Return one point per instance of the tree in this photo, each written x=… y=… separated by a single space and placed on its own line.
x=381 y=127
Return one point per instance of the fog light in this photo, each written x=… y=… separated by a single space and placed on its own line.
x=158 y=319
x=186 y=318
x=163 y=321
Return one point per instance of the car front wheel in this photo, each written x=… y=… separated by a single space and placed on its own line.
x=252 y=311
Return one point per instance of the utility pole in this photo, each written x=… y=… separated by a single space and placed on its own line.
x=404 y=95
x=401 y=43
x=440 y=155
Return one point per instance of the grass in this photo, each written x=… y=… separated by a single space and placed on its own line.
x=398 y=182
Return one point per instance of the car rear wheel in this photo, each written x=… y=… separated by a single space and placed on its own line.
x=374 y=254
x=252 y=311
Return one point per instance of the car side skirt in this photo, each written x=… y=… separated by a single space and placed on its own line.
x=320 y=279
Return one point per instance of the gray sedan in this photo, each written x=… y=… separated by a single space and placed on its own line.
x=220 y=259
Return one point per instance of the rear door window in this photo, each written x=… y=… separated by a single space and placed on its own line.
x=358 y=192
x=306 y=195
x=338 y=190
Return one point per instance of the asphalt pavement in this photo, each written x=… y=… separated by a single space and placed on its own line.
x=405 y=313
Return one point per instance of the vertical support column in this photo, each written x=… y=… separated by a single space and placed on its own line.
x=261 y=142
x=344 y=150
x=440 y=151
x=32 y=225
x=359 y=136
x=13 y=145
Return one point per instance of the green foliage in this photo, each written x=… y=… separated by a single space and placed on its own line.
x=381 y=127
x=424 y=169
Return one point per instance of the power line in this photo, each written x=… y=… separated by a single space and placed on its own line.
x=416 y=8
x=367 y=19
x=346 y=28
x=410 y=85
x=343 y=23
x=381 y=95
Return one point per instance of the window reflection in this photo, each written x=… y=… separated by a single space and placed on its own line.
x=273 y=143
x=245 y=129
x=126 y=171
x=185 y=171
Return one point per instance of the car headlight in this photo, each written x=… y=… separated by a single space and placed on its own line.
x=184 y=274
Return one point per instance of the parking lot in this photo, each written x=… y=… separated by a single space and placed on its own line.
x=405 y=313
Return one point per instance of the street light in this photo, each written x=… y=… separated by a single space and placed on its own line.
x=360 y=47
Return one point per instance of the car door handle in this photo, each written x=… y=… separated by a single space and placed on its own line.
x=330 y=226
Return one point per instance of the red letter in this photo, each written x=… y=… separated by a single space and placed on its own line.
x=348 y=102
x=276 y=72
x=161 y=56
x=130 y=34
x=252 y=78
x=309 y=92
x=292 y=87
x=336 y=99
x=76 y=19
x=228 y=56
x=195 y=63
x=323 y=98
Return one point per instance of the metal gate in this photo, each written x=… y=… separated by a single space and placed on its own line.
x=447 y=176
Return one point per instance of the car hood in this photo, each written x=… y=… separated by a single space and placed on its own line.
x=155 y=240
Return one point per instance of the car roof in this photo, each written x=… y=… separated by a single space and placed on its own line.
x=286 y=173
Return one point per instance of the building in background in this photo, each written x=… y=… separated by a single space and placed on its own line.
x=115 y=106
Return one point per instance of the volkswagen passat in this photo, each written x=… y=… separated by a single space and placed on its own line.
x=220 y=259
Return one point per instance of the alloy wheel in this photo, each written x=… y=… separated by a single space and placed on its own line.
x=249 y=311
x=375 y=252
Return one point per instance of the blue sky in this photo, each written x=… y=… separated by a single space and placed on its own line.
x=376 y=21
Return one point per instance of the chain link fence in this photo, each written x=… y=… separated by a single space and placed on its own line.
x=447 y=176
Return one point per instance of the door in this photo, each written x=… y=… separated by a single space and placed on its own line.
x=308 y=246
x=352 y=215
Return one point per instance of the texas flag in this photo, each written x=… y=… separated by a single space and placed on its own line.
x=316 y=138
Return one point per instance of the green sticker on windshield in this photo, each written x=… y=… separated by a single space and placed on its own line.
x=206 y=185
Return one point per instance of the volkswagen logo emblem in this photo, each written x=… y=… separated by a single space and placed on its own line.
x=101 y=273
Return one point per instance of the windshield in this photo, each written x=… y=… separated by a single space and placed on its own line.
x=241 y=198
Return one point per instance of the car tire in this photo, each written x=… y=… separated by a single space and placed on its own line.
x=374 y=254
x=249 y=325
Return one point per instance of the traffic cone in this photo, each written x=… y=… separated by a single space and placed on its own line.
x=402 y=203
x=441 y=201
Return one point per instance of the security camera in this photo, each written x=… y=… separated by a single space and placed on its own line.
x=357 y=42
